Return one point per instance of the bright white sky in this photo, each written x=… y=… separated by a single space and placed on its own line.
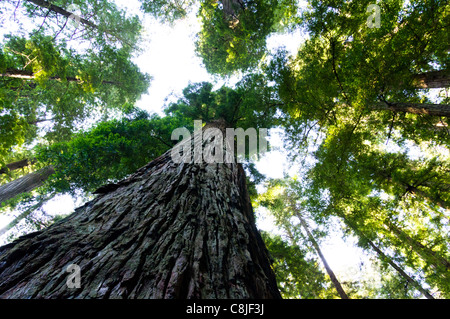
x=170 y=59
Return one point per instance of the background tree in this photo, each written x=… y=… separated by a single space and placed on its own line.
x=168 y=11
x=413 y=227
x=96 y=22
x=234 y=33
x=355 y=91
x=43 y=82
x=284 y=204
x=298 y=276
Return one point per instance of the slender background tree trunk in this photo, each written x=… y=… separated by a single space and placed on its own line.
x=400 y=270
x=425 y=252
x=415 y=108
x=17 y=165
x=387 y=259
x=61 y=11
x=25 y=183
x=432 y=79
x=26 y=213
x=316 y=246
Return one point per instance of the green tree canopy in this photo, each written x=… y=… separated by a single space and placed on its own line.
x=42 y=81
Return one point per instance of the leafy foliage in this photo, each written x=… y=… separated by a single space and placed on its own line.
x=166 y=10
x=234 y=33
x=97 y=22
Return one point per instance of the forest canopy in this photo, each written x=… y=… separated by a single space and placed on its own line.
x=363 y=106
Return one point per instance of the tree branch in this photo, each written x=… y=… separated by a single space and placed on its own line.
x=333 y=44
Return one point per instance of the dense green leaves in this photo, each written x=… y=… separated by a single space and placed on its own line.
x=234 y=33
x=108 y=152
x=167 y=10
x=250 y=104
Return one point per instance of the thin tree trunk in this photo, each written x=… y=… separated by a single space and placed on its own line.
x=61 y=11
x=26 y=213
x=40 y=121
x=330 y=272
x=29 y=75
x=168 y=231
x=25 y=183
x=426 y=253
x=17 y=165
x=432 y=79
x=400 y=270
x=419 y=193
x=415 y=108
x=387 y=258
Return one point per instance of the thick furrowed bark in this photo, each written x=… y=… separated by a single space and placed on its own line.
x=168 y=231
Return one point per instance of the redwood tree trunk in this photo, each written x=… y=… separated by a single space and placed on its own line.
x=330 y=272
x=16 y=165
x=400 y=270
x=168 y=231
x=415 y=108
x=47 y=5
x=25 y=183
x=432 y=79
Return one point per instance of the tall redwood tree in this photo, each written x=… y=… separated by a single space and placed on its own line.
x=167 y=231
